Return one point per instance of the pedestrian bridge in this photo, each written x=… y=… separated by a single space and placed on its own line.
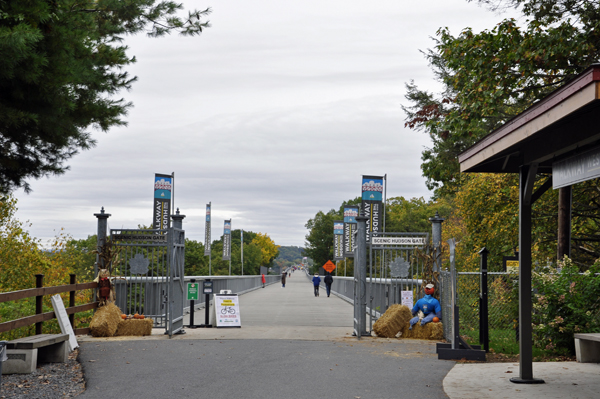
x=275 y=312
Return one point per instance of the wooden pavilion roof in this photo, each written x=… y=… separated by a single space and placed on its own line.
x=563 y=124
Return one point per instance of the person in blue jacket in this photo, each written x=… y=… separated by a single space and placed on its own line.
x=428 y=305
x=316 y=281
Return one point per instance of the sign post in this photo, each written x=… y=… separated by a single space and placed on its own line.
x=192 y=295
x=207 y=289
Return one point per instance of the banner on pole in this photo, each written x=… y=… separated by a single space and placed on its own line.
x=207 y=238
x=350 y=226
x=163 y=186
x=338 y=240
x=372 y=204
x=227 y=240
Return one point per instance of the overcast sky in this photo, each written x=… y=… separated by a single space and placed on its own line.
x=272 y=114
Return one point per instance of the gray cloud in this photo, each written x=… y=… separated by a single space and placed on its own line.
x=272 y=114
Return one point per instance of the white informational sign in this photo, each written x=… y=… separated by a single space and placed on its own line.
x=398 y=241
x=407 y=299
x=63 y=321
x=227 y=310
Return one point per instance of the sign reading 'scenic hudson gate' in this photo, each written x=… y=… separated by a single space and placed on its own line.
x=398 y=240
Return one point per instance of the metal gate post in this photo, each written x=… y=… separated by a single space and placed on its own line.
x=484 y=337
x=100 y=241
x=177 y=272
x=360 y=278
x=436 y=236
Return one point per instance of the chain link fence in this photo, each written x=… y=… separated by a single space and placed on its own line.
x=503 y=308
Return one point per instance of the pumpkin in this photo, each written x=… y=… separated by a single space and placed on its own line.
x=123 y=316
x=136 y=316
x=436 y=319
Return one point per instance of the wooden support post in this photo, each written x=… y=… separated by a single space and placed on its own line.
x=39 y=283
x=73 y=280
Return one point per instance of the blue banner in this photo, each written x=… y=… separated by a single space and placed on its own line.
x=163 y=186
x=227 y=240
x=372 y=188
x=372 y=204
x=350 y=214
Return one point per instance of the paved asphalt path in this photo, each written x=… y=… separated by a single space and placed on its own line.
x=262 y=369
x=291 y=345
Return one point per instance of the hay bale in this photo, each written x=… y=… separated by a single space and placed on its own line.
x=434 y=331
x=105 y=321
x=135 y=327
x=392 y=321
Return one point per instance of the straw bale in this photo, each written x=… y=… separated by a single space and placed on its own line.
x=136 y=327
x=434 y=331
x=392 y=321
x=105 y=321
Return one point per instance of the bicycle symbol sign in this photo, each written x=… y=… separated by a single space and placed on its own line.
x=227 y=310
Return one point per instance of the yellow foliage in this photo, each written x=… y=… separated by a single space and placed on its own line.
x=267 y=246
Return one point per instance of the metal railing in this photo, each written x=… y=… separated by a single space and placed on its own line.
x=237 y=284
x=381 y=293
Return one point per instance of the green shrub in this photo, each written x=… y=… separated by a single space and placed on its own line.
x=565 y=302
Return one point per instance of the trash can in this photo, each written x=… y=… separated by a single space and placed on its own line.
x=3 y=358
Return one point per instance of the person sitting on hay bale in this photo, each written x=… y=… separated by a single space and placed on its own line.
x=428 y=305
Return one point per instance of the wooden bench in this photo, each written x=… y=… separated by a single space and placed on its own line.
x=587 y=348
x=24 y=353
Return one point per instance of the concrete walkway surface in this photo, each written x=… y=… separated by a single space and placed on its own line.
x=491 y=380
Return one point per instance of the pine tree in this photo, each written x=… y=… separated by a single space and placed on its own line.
x=61 y=66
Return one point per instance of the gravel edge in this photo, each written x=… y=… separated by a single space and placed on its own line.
x=48 y=381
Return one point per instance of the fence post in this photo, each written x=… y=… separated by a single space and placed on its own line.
x=39 y=283
x=73 y=280
x=484 y=333
x=436 y=238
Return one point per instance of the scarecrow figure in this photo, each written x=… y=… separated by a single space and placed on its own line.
x=106 y=291
x=428 y=306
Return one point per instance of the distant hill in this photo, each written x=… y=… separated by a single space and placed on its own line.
x=289 y=256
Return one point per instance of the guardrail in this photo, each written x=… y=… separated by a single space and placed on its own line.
x=38 y=293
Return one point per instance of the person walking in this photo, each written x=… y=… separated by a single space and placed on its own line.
x=263 y=280
x=328 y=281
x=316 y=281
x=283 y=276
